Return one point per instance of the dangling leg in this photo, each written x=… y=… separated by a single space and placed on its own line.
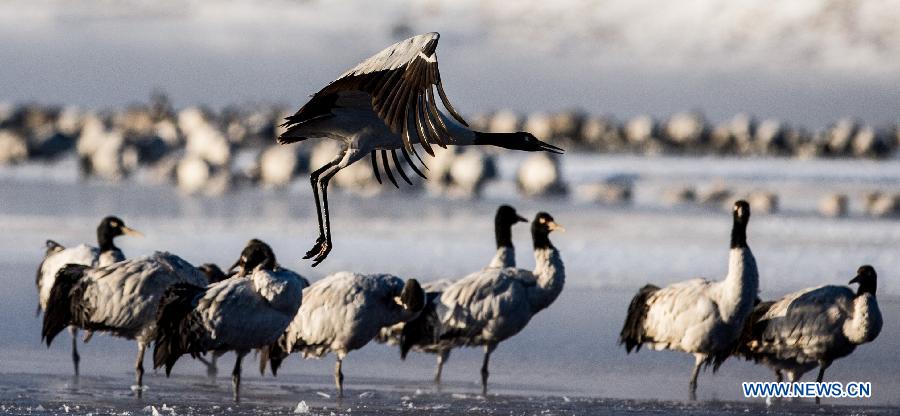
x=75 y=357
x=349 y=157
x=139 y=369
x=823 y=365
x=488 y=349
x=339 y=377
x=698 y=361
x=314 y=180
x=441 y=358
x=236 y=376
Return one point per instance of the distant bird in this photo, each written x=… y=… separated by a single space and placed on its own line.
x=343 y=312
x=419 y=334
x=249 y=311
x=121 y=299
x=813 y=327
x=385 y=104
x=57 y=256
x=698 y=316
x=491 y=305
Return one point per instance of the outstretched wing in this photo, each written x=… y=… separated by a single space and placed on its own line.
x=401 y=80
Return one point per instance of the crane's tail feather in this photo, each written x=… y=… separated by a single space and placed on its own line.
x=399 y=167
x=413 y=165
x=275 y=354
x=374 y=157
x=632 y=334
x=752 y=332
x=424 y=329
x=387 y=168
x=176 y=335
x=65 y=291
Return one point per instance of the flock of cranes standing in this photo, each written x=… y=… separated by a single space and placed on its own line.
x=162 y=299
x=383 y=105
x=258 y=304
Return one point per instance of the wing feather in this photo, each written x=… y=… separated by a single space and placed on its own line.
x=398 y=78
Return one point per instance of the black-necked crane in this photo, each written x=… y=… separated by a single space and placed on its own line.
x=385 y=104
x=239 y=314
x=121 y=299
x=343 y=312
x=813 y=327
x=700 y=317
x=491 y=305
x=57 y=256
x=420 y=334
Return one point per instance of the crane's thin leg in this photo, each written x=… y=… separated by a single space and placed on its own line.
x=698 y=361
x=350 y=156
x=488 y=349
x=211 y=368
x=75 y=357
x=314 y=181
x=823 y=365
x=236 y=376
x=779 y=377
x=339 y=377
x=793 y=376
x=139 y=369
x=441 y=358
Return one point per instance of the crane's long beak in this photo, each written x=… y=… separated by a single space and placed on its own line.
x=855 y=280
x=240 y=271
x=553 y=226
x=131 y=231
x=519 y=218
x=547 y=147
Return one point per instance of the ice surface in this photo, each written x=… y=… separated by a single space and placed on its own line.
x=566 y=361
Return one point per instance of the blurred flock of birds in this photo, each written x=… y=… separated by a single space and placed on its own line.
x=212 y=152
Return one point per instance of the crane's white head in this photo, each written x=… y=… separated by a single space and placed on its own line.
x=867 y=279
x=541 y=228
x=412 y=297
x=255 y=254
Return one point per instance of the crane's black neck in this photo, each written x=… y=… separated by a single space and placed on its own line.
x=868 y=286
x=541 y=237
x=513 y=141
x=503 y=233
x=105 y=238
x=739 y=233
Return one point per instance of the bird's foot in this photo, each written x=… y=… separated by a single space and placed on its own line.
x=324 y=249
x=316 y=248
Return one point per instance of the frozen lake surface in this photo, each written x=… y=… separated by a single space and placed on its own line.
x=565 y=362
